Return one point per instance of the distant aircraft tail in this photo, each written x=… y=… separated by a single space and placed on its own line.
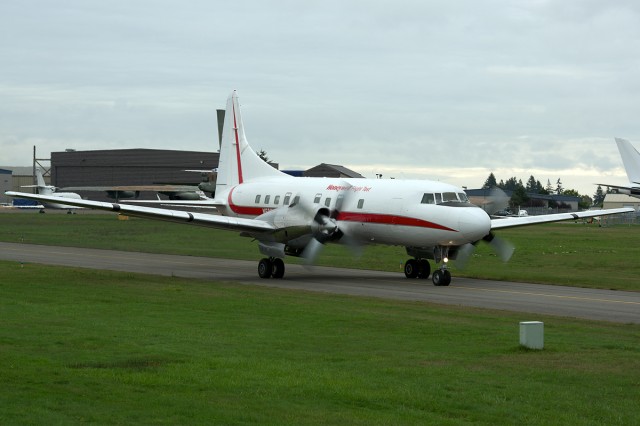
x=630 y=159
x=40 y=179
x=41 y=186
x=238 y=162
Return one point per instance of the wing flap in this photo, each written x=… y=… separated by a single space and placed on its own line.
x=512 y=222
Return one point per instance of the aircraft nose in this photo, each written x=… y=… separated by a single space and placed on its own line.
x=474 y=223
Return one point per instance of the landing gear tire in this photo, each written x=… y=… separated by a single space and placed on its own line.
x=424 y=268
x=265 y=268
x=277 y=268
x=411 y=268
x=441 y=277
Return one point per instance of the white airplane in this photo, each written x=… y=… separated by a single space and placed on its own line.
x=293 y=216
x=631 y=160
x=51 y=191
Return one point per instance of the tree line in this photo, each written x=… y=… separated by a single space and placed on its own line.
x=521 y=190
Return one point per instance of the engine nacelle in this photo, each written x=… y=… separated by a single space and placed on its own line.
x=294 y=222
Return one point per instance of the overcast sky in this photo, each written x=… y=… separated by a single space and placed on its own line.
x=444 y=90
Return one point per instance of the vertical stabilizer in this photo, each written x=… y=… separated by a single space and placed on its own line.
x=43 y=188
x=238 y=162
x=630 y=159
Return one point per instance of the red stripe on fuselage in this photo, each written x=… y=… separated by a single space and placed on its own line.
x=235 y=130
x=387 y=219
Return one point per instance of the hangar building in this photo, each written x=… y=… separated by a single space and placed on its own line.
x=141 y=167
x=128 y=167
x=6 y=183
x=614 y=201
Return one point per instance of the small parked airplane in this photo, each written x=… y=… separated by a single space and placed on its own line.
x=52 y=191
x=293 y=216
x=631 y=160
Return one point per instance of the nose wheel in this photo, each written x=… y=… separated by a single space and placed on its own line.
x=441 y=277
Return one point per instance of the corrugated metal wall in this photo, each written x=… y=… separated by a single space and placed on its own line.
x=129 y=167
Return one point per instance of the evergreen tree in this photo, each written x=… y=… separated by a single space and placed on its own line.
x=490 y=182
x=531 y=184
x=511 y=184
x=549 y=188
x=559 y=188
x=598 y=197
x=263 y=154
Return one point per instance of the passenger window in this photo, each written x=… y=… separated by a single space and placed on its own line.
x=428 y=199
x=276 y=200
x=317 y=199
x=327 y=201
x=449 y=196
x=360 y=203
x=266 y=199
x=287 y=198
x=438 y=198
x=463 y=197
x=257 y=199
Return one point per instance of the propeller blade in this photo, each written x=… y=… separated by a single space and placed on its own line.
x=312 y=251
x=498 y=200
x=354 y=246
x=503 y=248
x=464 y=254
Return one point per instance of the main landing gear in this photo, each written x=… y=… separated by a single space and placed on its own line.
x=420 y=268
x=272 y=267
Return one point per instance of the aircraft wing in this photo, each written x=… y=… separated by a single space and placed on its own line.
x=251 y=226
x=193 y=204
x=512 y=222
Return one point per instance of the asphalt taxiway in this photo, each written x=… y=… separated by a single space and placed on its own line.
x=530 y=299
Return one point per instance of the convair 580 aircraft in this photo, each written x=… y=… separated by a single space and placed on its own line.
x=292 y=216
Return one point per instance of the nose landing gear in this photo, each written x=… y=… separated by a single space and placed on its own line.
x=420 y=267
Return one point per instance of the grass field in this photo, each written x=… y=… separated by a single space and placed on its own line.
x=564 y=253
x=98 y=347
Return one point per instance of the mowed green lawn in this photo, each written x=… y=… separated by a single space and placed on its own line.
x=100 y=347
x=564 y=253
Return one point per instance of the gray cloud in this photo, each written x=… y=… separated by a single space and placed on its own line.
x=417 y=86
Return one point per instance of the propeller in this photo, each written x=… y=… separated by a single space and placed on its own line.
x=498 y=200
x=495 y=201
x=503 y=248
x=325 y=227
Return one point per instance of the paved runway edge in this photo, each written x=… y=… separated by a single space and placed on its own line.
x=530 y=299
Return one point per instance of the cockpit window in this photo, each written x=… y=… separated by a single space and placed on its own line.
x=445 y=197
x=428 y=199
x=449 y=196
